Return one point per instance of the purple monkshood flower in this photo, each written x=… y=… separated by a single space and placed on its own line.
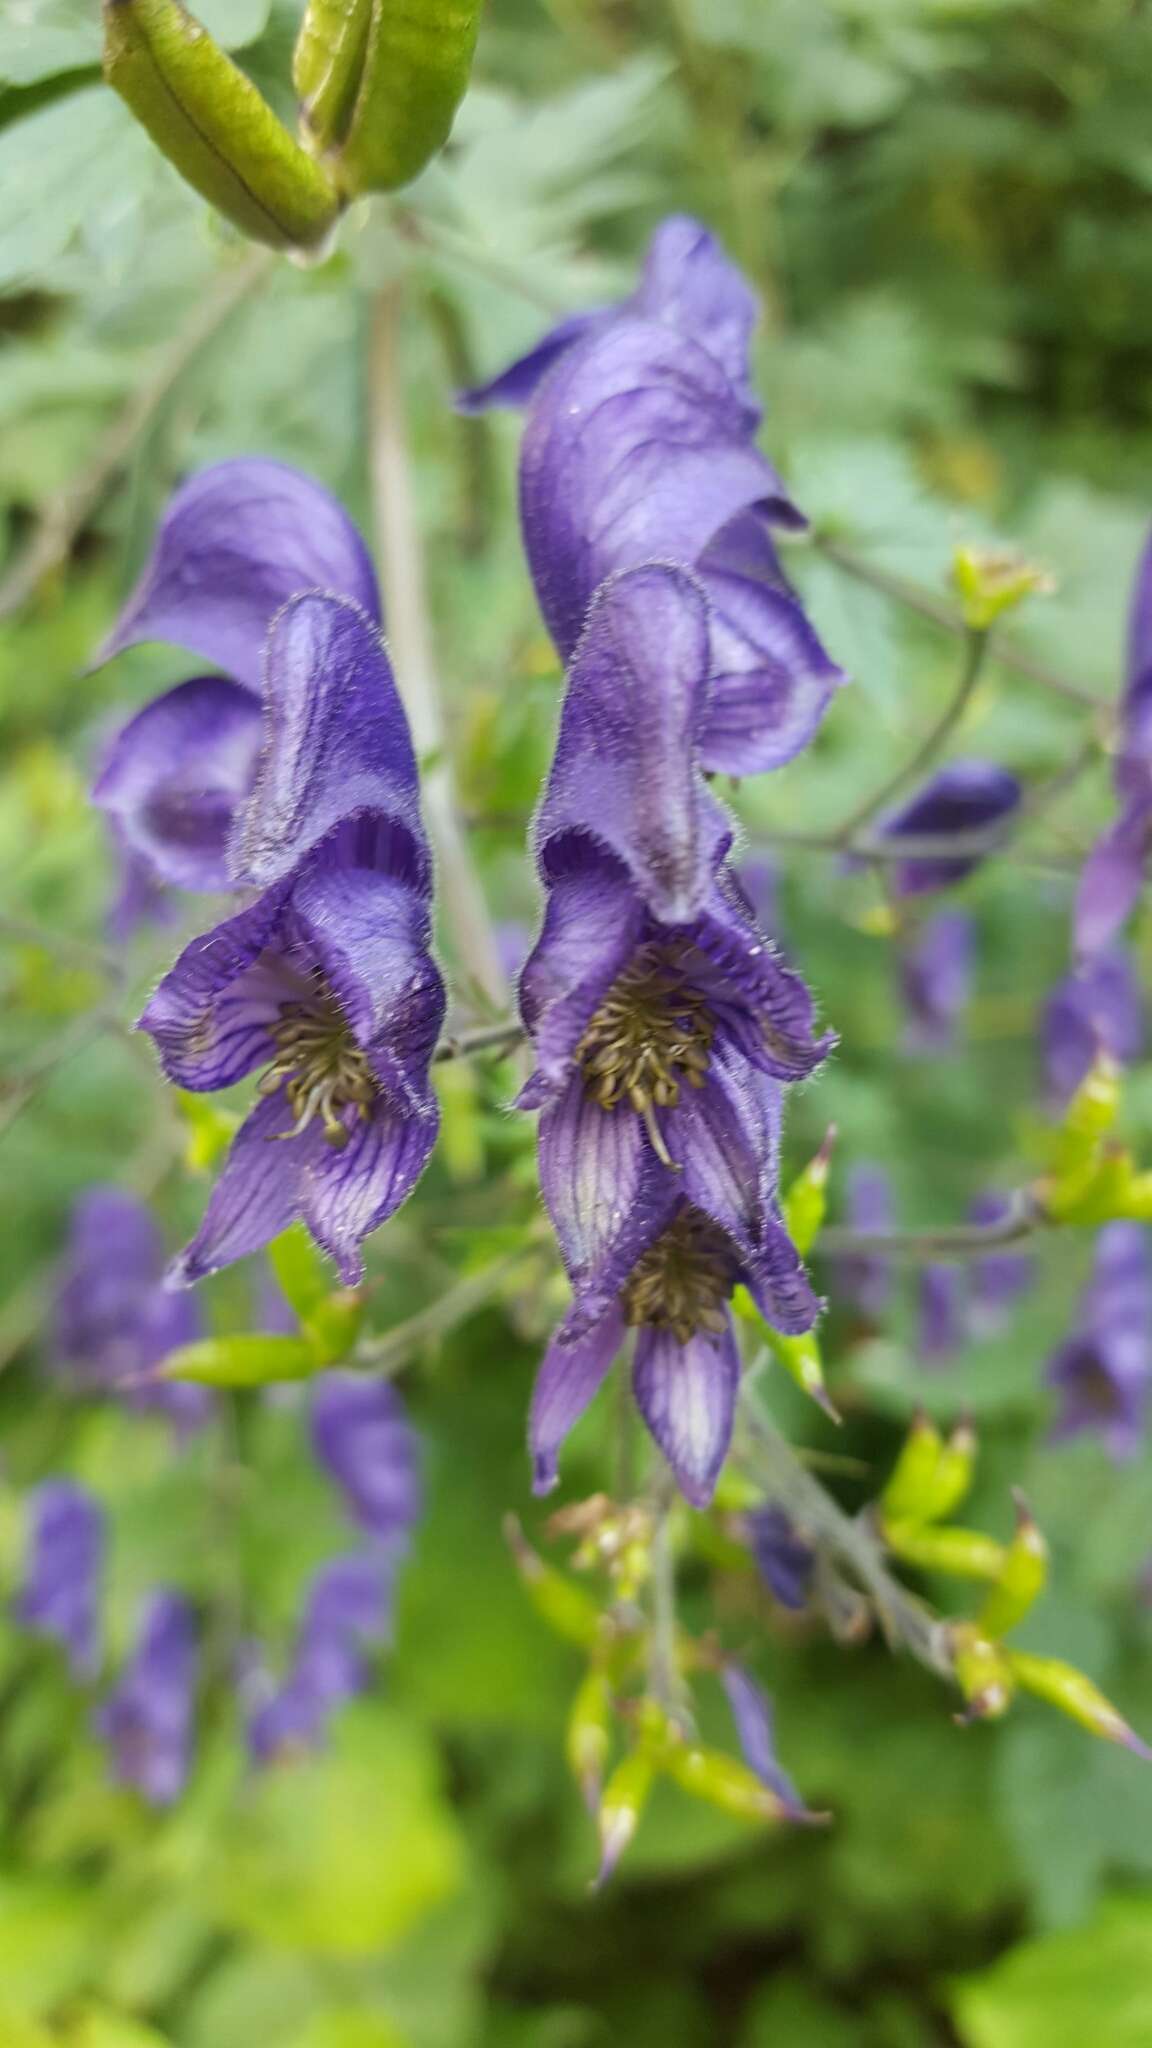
x=1103 y=1372
x=941 y=1314
x=364 y=1441
x=325 y=979
x=936 y=983
x=783 y=1560
x=996 y=1281
x=662 y=1024
x=114 y=1320
x=752 y=1717
x=964 y=797
x=237 y=541
x=347 y=1610
x=863 y=1281
x=60 y=1595
x=1097 y=1008
x=639 y=447
x=1114 y=871
x=147 y=1718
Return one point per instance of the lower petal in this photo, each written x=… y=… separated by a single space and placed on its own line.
x=256 y=1197
x=772 y=680
x=778 y=1283
x=602 y=1185
x=592 y=925
x=210 y=1017
x=571 y=1374
x=687 y=1396
x=345 y=1195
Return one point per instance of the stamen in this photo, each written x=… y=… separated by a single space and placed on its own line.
x=652 y=1033
x=320 y=1066
x=683 y=1281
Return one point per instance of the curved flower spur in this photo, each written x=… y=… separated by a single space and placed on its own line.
x=325 y=981
x=236 y=542
x=640 y=445
x=663 y=1024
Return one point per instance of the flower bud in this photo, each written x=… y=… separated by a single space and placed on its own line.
x=414 y=68
x=953 y=1474
x=806 y=1202
x=962 y=1553
x=250 y=1360
x=568 y=1610
x=1065 y=1687
x=589 y=1736
x=625 y=1797
x=334 y=1325
x=213 y=125
x=990 y=582
x=800 y=1357
x=725 y=1782
x=982 y=1673
x=908 y=1495
x=1022 y=1580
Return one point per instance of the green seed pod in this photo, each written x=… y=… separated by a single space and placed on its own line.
x=250 y=1360
x=963 y=1553
x=953 y=1475
x=213 y=125
x=908 y=1494
x=724 y=1781
x=801 y=1359
x=328 y=64
x=1065 y=1687
x=416 y=63
x=589 y=1737
x=982 y=1674
x=1020 y=1583
x=568 y=1610
x=806 y=1202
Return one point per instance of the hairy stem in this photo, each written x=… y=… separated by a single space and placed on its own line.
x=463 y=1045
x=956 y=1242
x=410 y=636
x=847 y=1541
x=65 y=513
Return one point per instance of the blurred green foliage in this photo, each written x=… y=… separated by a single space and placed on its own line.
x=945 y=205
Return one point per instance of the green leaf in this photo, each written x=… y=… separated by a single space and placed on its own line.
x=1090 y=1984
x=348 y=2029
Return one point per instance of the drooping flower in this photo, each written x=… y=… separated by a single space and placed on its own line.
x=364 y=1441
x=966 y=797
x=147 y=1720
x=348 y=1610
x=1098 y=1007
x=325 y=980
x=941 y=1313
x=658 y=1011
x=114 y=1320
x=783 y=1560
x=60 y=1594
x=237 y=541
x=998 y=1279
x=686 y=1362
x=1114 y=871
x=1103 y=1372
x=640 y=447
x=863 y=1280
x=936 y=981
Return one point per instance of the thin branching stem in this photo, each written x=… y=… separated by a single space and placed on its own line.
x=934 y=740
x=953 y=1243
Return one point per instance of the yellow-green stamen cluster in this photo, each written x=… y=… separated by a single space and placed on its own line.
x=652 y=1033
x=320 y=1065
x=683 y=1281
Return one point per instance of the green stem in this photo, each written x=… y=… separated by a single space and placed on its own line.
x=937 y=736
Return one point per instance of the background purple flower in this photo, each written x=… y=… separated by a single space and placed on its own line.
x=936 y=982
x=783 y=1560
x=347 y=1610
x=863 y=1281
x=59 y=1597
x=1114 y=872
x=364 y=1441
x=147 y=1719
x=996 y=1281
x=1102 y=1373
x=752 y=1718
x=114 y=1321
x=1098 y=1007
x=941 y=1317
x=237 y=541
x=964 y=797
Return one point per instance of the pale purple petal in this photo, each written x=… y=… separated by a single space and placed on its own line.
x=687 y=1396
x=571 y=1374
x=175 y=776
x=690 y=284
x=237 y=541
x=336 y=741
x=772 y=680
x=592 y=923
x=211 y=1016
x=783 y=1560
x=752 y=1715
x=605 y=1191
x=345 y=1195
x=625 y=773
